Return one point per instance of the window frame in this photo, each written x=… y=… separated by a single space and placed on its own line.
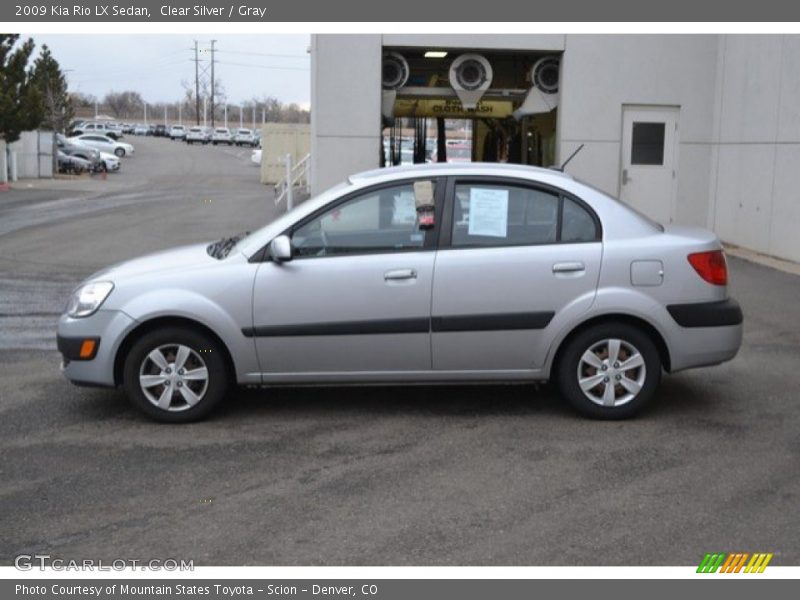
x=431 y=237
x=446 y=229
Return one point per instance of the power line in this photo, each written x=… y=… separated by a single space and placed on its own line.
x=234 y=64
x=265 y=54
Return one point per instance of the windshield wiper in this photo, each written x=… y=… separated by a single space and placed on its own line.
x=223 y=247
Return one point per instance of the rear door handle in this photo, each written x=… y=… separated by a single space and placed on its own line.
x=399 y=274
x=568 y=267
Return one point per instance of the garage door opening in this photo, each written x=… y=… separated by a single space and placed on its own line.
x=444 y=105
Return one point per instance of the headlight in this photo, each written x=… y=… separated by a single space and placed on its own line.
x=88 y=298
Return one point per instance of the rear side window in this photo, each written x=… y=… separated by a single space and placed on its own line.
x=491 y=215
x=577 y=225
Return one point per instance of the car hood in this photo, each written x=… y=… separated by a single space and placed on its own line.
x=182 y=258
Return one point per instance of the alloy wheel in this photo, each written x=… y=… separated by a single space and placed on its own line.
x=173 y=377
x=611 y=372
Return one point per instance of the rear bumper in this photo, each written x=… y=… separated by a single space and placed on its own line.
x=707 y=333
x=707 y=314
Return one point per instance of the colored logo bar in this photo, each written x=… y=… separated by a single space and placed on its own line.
x=735 y=562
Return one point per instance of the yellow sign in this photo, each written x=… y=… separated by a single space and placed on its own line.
x=451 y=108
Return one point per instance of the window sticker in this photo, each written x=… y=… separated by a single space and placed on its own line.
x=405 y=208
x=488 y=212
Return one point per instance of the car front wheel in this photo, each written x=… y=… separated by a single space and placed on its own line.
x=120 y=152
x=175 y=375
x=609 y=371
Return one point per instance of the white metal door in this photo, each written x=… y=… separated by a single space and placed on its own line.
x=648 y=181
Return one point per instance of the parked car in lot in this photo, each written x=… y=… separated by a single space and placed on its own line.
x=140 y=129
x=198 y=135
x=111 y=163
x=515 y=274
x=221 y=135
x=161 y=130
x=177 y=132
x=79 y=150
x=104 y=144
x=72 y=164
x=244 y=137
x=98 y=127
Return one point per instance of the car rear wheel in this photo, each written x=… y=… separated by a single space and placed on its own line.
x=175 y=375
x=609 y=371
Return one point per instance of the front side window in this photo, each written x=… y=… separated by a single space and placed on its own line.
x=380 y=220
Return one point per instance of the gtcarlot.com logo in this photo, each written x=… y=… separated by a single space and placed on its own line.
x=735 y=562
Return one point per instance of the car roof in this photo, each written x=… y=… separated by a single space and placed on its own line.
x=443 y=169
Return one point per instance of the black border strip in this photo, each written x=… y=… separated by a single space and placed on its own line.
x=411 y=325
x=707 y=314
x=486 y=322
x=500 y=322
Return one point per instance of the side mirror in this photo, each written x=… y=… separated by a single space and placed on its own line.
x=280 y=249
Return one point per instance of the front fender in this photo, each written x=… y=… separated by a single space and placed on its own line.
x=225 y=321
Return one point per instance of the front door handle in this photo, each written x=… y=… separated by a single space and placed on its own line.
x=568 y=267
x=399 y=274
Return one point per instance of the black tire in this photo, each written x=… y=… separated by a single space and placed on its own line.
x=119 y=152
x=570 y=360
x=205 y=349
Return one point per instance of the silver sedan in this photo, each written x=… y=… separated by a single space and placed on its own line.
x=428 y=273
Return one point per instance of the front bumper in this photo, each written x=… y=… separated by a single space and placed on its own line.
x=107 y=328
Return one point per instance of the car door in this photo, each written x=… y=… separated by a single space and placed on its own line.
x=513 y=256
x=98 y=142
x=354 y=301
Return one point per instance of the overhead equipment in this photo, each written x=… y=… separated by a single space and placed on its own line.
x=543 y=95
x=395 y=72
x=470 y=77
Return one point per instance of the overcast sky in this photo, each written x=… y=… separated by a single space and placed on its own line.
x=155 y=65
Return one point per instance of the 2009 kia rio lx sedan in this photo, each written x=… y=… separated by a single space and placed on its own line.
x=429 y=273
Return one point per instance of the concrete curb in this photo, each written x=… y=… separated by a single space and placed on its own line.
x=772 y=262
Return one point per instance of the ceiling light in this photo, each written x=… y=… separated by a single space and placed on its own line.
x=435 y=54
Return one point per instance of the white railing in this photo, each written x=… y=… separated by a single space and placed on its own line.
x=297 y=175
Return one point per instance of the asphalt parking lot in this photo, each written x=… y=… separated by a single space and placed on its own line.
x=500 y=475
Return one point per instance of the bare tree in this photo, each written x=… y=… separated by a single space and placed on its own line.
x=124 y=104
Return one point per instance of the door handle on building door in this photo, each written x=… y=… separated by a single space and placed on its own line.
x=625 y=178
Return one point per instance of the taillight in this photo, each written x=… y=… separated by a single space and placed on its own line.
x=711 y=266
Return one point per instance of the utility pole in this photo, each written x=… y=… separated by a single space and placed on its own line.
x=254 y=116
x=205 y=106
x=165 y=115
x=180 y=111
x=212 y=82
x=241 y=120
x=196 y=83
x=226 y=116
x=145 y=113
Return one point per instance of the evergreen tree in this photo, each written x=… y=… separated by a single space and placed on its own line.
x=52 y=86
x=20 y=100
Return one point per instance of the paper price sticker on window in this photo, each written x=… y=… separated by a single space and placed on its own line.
x=405 y=208
x=488 y=212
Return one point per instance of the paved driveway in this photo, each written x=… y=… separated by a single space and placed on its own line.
x=418 y=475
